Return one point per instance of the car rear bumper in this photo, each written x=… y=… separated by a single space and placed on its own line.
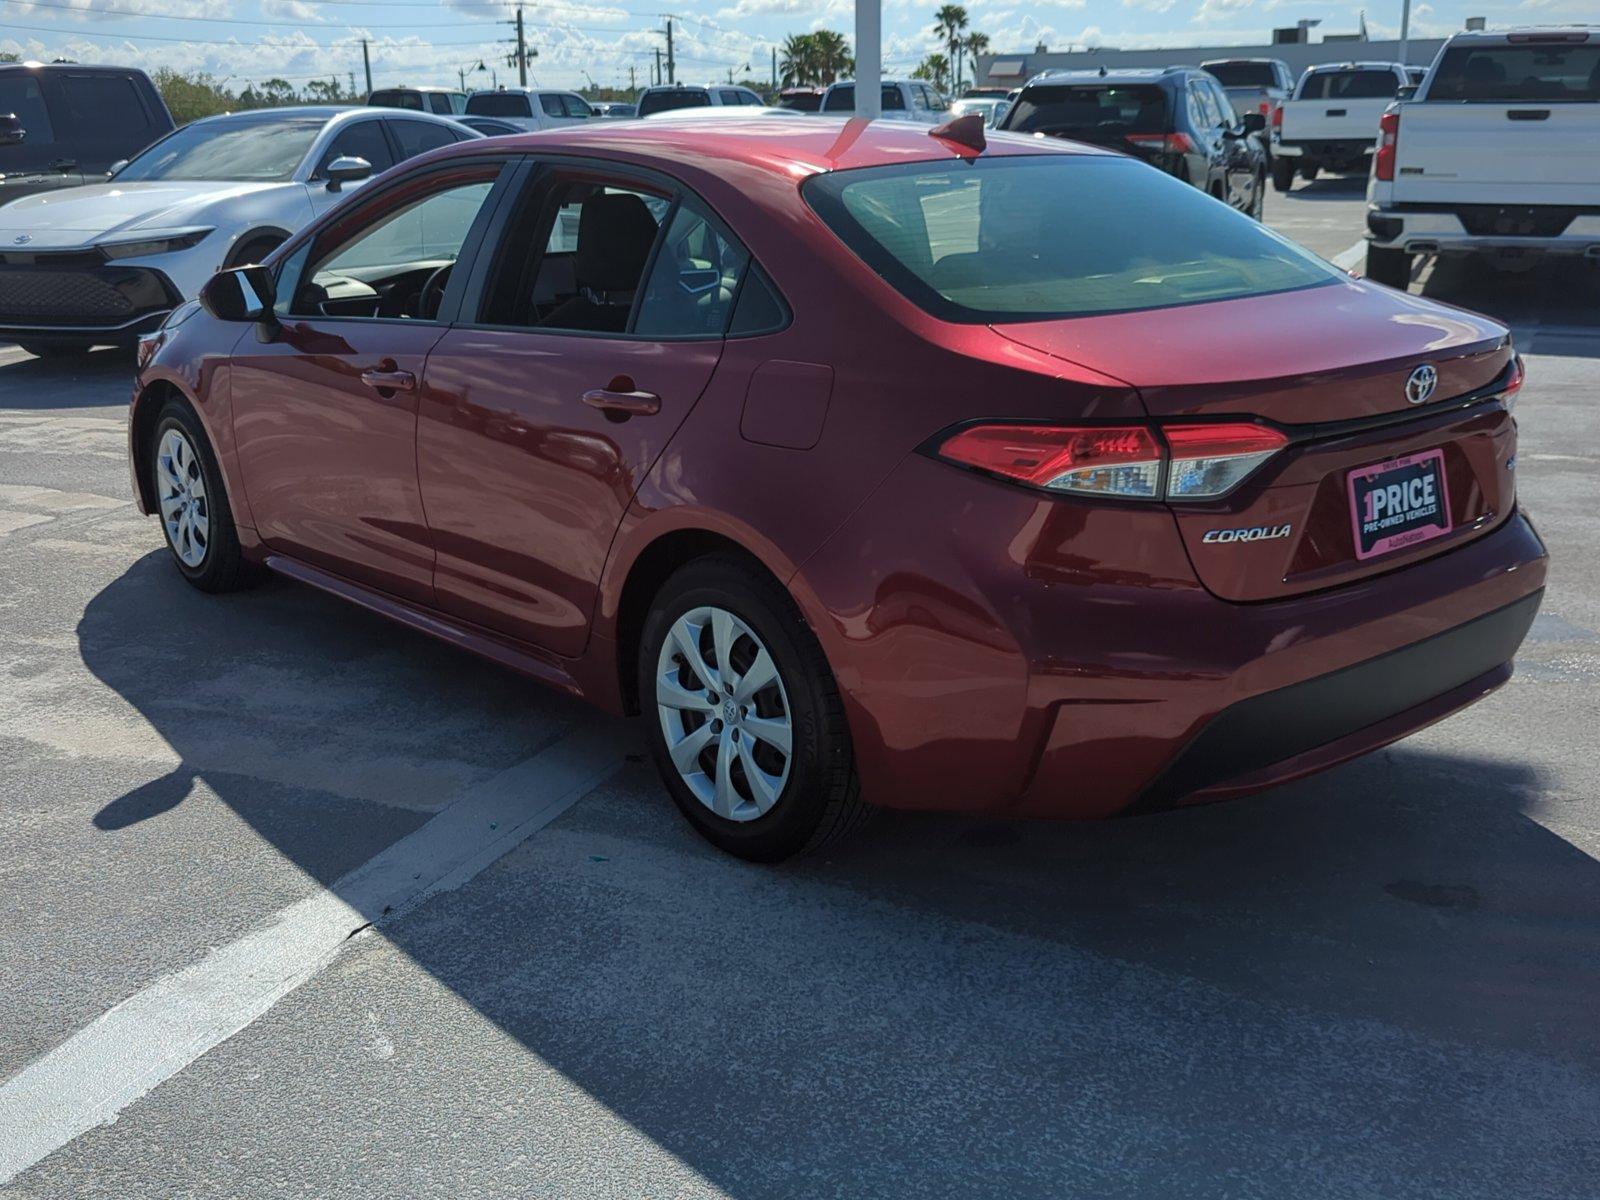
x=1485 y=228
x=73 y=300
x=1052 y=659
x=1343 y=150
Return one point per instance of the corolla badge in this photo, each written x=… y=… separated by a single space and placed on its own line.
x=1421 y=384
x=1255 y=533
x=22 y=239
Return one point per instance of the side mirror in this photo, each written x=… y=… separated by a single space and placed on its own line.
x=111 y=171
x=1253 y=122
x=11 y=131
x=347 y=168
x=1406 y=92
x=242 y=294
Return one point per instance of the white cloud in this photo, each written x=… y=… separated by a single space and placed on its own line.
x=1158 y=6
x=294 y=10
x=1214 y=10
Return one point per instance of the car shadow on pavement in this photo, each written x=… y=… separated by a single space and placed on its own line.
x=1379 y=981
x=1553 y=305
x=1337 y=187
x=92 y=380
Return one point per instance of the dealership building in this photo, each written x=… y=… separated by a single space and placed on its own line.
x=1013 y=70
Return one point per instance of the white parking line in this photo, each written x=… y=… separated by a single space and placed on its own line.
x=1349 y=260
x=151 y=1036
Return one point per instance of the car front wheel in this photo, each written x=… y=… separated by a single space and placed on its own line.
x=1389 y=267
x=195 y=517
x=745 y=720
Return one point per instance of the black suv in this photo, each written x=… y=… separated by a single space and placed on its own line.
x=1178 y=119
x=62 y=124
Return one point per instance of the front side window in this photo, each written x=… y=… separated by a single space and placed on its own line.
x=1350 y=85
x=985 y=241
x=252 y=149
x=551 y=104
x=396 y=263
x=1519 y=74
x=693 y=280
x=577 y=107
x=21 y=96
x=361 y=139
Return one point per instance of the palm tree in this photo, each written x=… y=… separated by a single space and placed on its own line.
x=948 y=23
x=935 y=69
x=975 y=45
x=833 y=55
x=798 y=59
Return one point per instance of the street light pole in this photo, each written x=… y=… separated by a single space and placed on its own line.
x=1405 y=28
x=869 y=58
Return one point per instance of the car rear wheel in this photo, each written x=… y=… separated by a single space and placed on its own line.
x=1389 y=267
x=195 y=517
x=1308 y=171
x=746 y=724
x=1283 y=174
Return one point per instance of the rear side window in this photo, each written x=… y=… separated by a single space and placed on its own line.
x=551 y=104
x=1243 y=74
x=97 y=108
x=985 y=241
x=655 y=102
x=365 y=140
x=843 y=99
x=20 y=96
x=416 y=136
x=1518 y=74
x=1089 y=109
x=1350 y=85
x=693 y=280
x=499 y=104
x=439 y=103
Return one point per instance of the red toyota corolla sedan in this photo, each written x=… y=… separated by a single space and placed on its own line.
x=872 y=467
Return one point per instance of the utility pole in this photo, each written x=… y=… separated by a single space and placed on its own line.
x=672 y=63
x=522 y=51
x=869 y=58
x=658 y=65
x=632 y=86
x=366 y=64
x=774 y=70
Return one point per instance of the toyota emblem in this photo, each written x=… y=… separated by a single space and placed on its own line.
x=22 y=239
x=1421 y=384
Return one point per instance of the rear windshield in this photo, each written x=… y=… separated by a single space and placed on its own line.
x=1350 y=85
x=654 y=102
x=499 y=104
x=396 y=98
x=1089 y=110
x=802 y=101
x=843 y=99
x=985 y=240
x=1243 y=74
x=1518 y=73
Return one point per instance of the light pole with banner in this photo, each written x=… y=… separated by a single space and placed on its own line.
x=869 y=58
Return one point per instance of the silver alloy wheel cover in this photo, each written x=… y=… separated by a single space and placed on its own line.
x=181 y=496
x=717 y=710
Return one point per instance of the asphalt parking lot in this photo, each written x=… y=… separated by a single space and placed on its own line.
x=296 y=903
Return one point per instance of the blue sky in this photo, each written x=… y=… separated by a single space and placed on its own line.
x=430 y=41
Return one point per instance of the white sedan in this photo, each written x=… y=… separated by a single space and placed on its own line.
x=98 y=265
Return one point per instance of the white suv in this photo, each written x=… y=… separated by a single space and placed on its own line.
x=669 y=96
x=530 y=108
x=903 y=100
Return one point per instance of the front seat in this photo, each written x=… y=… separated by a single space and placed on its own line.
x=615 y=234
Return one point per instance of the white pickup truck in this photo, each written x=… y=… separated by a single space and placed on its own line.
x=1498 y=154
x=1331 y=121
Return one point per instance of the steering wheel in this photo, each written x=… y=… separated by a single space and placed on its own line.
x=432 y=294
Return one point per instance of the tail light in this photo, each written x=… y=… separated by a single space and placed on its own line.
x=1172 y=143
x=1277 y=117
x=1198 y=462
x=1388 y=145
x=1265 y=107
x=1519 y=375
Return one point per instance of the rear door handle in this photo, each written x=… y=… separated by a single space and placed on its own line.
x=1336 y=112
x=64 y=165
x=390 y=381
x=1527 y=114
x=622 y=404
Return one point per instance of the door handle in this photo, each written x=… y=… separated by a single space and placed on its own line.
x=1527 y=114
x=619 y=404
x=64 y=165
x=390 y=381
x=1336 y=112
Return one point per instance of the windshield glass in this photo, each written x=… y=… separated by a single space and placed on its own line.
x=499 y=104
x=985 y=241
x=250 y=149
x=1089 y=110
x=1350 y=85
x=1518 y=73
x=1242 y=74
x=654 y=102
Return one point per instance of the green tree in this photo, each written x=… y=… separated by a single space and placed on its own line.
x=189 y=97
x=948 y=24
x=935 y=69
x=833 y=55
x=797 y=59
x=975 y=45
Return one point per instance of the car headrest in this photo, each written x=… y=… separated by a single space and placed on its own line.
x=615 y=233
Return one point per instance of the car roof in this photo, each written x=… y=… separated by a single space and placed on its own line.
x=329 y=114
x=1219 y=61
x=97 y=68
x=790 y=149
x=416 y=87
x=1353 y=66
x=1121 y=75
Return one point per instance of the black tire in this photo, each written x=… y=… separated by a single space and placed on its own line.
x=1308 y=170
x=1283 y=174
x=253 y=251
x=223 y=567
x=821 y=798
x=57 y=349
x=1389 y=267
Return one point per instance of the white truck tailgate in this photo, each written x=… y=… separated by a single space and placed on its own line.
x=1479 y=153
x=1306 y=120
